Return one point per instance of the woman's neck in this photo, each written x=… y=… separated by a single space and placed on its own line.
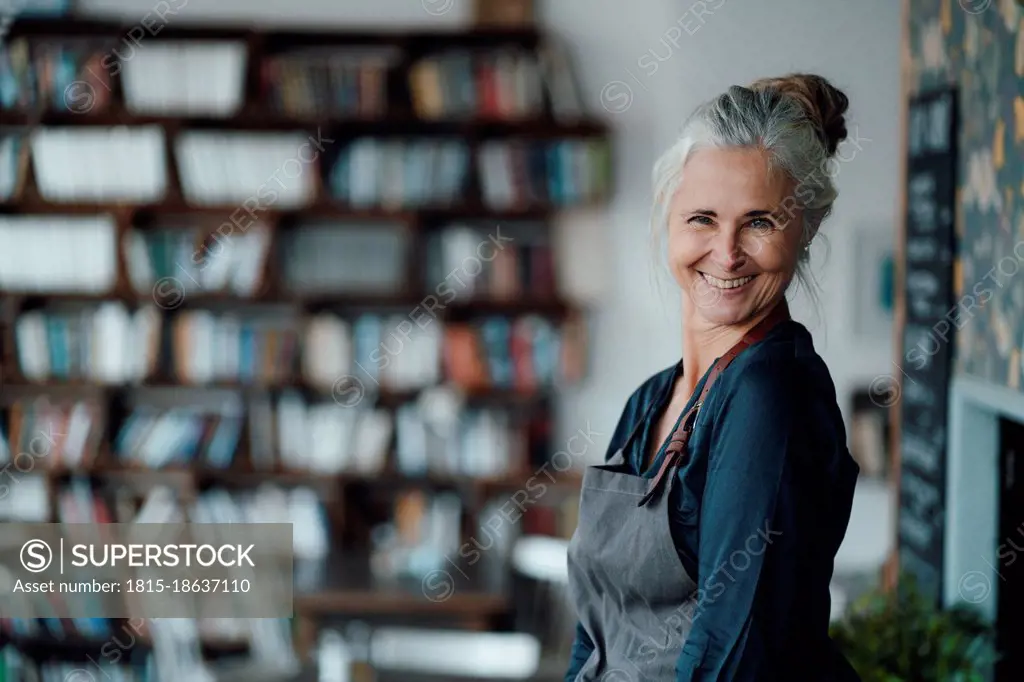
x=704 y=342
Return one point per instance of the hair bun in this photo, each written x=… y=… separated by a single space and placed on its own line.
x=823 y=103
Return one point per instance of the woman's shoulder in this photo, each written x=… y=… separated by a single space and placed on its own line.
x=783 y=366
x=782 y=383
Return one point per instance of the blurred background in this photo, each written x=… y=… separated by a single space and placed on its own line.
x=383 y=270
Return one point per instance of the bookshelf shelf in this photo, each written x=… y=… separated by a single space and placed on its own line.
x=382 y=397
x=201 y=475
x=342 y=126
x=181 y=29
x=322 y=209
x=315 y=302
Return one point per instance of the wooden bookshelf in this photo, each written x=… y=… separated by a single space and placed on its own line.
x=85 y=26
x=349 y=592
x=323 y=209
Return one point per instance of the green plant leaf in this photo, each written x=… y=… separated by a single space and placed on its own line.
x=900 y=636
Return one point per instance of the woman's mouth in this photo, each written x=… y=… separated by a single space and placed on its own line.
x=727 y=284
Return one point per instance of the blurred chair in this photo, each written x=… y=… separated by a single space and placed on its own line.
x=538 y=649
x=540 y=590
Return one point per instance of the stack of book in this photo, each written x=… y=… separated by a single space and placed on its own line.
x=155 y=438
x=255 y=348
x=77 y=502
x=335 y=82
x=321 y=437
x=185 y=77
x=383 y=351
x=504 y=262
x=18 y=89
x=45 y=434
x=44 y=76
x=300 y=506
x=12 y=165
x=523 y=353
x=254 y=171
x=95 y=165
x=58 y=253
x=458 y=84
x=521 y=173
x=189 y=260
x=76 y=505
x=25 y=495
x=486 y=443
x=400 y=173
x=103 y=343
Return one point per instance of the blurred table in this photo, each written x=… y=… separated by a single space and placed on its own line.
x=345 y=584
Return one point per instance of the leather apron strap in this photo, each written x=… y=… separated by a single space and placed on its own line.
x=677 y=444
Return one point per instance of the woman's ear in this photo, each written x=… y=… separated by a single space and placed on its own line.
x=810 y=232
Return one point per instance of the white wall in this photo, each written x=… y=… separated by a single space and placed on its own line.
x=673 y=54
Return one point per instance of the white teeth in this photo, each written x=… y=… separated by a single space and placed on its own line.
x=726 y=283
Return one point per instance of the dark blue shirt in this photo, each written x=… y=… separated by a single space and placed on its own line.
x=760 y=509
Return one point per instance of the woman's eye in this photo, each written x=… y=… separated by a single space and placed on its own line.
x=699 y=220
x=762 y=224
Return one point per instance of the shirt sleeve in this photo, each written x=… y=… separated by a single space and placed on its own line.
x=748 y=533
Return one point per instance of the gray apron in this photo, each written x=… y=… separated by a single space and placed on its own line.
x=632 y=594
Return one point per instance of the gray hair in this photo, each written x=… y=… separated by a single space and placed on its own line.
x=798 y=139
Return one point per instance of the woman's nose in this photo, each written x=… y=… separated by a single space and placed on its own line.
x=728 y=250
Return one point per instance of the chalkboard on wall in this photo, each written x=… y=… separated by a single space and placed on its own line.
x=928 y=343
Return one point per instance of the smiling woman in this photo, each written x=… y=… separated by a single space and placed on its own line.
x=730 y=245
x=705 y=543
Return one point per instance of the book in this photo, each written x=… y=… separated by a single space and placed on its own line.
x=345 y=82
x=236 y=347
x=156 y=438
x=517 y=173
x=367 y=171
x=491 y=85
x=75 y=164
x=58 y=253
x=185 y=77
x=105 y=343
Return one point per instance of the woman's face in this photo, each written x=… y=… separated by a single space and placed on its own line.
x=734 y=238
